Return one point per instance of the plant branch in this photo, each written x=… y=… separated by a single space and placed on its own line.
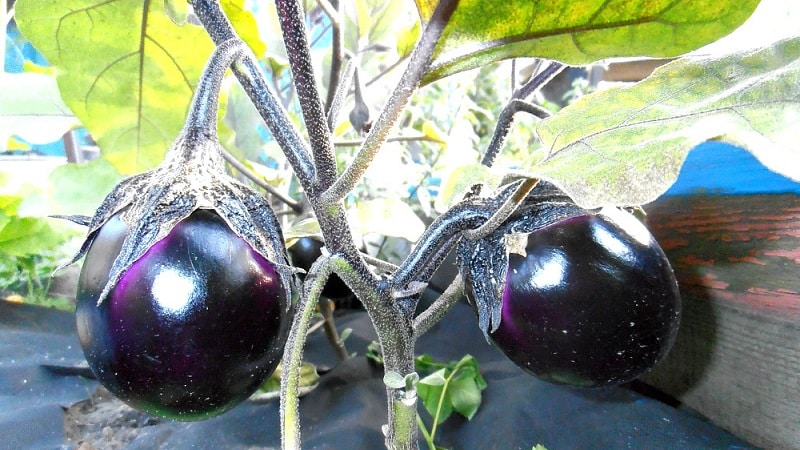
x=439 y=308
x=317 y=276
x=414 y=138
x=341 y=93
x=337 y=51
x=506 y=209
x=503 y=127
x=288 y=201
x=255 y=84
x=538 y=80
x=330 y=330
x=468 y=214
x=293 y=358
x=418 y=64
x=385 y=71
x=295 y=37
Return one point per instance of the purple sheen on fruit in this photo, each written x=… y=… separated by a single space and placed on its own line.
x=192 y=328
x=593 y=303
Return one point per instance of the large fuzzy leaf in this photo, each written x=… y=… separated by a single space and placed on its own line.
x=625 y=145
x=578 y=31
x=125 y=69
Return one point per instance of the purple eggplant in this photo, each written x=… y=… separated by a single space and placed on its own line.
x=193 y=326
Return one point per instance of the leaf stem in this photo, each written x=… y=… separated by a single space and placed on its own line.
x=442 y=395
x=506 y=209
x=341 y=93
x=409 y=81
x=539 y=80
x=425 y=433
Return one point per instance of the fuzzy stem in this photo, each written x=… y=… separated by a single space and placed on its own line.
x=504 y=212
x=418 y=64
x=463 y=216
x=341 y=92
x=439 y=307
x=205 y=103
x=295 y=38
x=503 y=127
x=539 y=80
x=255 y=84
x=293 y=355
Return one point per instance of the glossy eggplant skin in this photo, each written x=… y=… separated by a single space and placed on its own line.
x=192 y=328
x=304 y=252
x=593 y=303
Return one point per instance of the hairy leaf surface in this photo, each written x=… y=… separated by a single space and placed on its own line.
x=577 y=31
x=625 y=145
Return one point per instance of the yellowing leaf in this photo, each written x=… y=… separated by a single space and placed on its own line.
x=625 y=145
x=577 y=31
x=125 y=69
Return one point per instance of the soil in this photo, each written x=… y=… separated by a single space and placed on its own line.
x=103 y=422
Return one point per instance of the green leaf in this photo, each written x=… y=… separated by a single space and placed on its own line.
x=577 y=31
x=9 y=204
x=303 y=228
x=407 y=38
x=394 y=380
x=465 y=395
x=177 y=11
x=625 y=145
x=455 y=386
x=432 y=390
x=80 y=188
x=125 y=69
x=21 y=236
x=437 y=378
x=31 y=108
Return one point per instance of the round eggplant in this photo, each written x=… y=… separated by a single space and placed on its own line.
x=193 y=327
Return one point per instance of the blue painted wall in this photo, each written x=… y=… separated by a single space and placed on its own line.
x=720 y=168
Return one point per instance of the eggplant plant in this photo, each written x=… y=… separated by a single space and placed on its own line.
x=128 y=70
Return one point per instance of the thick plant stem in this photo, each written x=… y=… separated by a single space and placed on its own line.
x=295 y=38
x=398 y=352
